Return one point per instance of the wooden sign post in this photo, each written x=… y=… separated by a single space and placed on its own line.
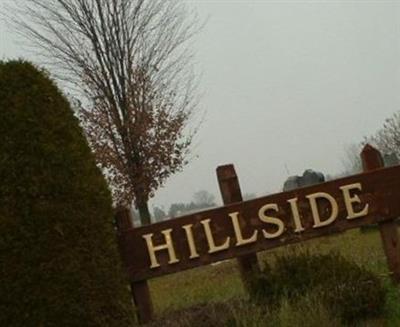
x=139 y=288
x=372 y=160
x=231 y=193
x=240 y=229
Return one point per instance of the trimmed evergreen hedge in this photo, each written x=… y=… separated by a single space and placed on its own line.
x=59 y=265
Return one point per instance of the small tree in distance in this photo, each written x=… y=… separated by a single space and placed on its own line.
x=387 y=139
x=130 y=61
x=203 y=199
x=159 y=214
x=351 y=159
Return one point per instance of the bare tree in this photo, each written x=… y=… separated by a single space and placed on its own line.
x=131 y=61
x=351 y=159
x=387 y=139
x=203 y=199
x=159 y=213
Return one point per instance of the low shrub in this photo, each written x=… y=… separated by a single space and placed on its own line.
x=348 y=290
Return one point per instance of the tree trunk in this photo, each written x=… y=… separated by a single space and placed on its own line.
x=144 y=213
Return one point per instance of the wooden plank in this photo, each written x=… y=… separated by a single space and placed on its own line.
x=380 y=190
x=372 y=160
x=143 y=302
x=231 y=193
x=139 y=288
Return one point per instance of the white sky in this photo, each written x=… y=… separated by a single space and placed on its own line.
x=285 y=83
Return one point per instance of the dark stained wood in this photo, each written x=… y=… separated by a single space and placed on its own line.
x=381 y=190
x=231 y=193
x=139 y=288
x=123 y=220
x=372 y=160
x=143 y=302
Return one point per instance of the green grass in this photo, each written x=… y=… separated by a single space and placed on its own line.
x=200 y=291
x=214 y=283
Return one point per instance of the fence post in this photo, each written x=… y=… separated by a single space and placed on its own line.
x=139 y=289
x=372 y=160
x=230 y=191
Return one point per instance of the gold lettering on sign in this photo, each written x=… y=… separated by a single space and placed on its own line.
x=210 y=238
x=152 y=249
x=271 y=220
x=296 y=215
x=240 y=240
x=315 y=212
x=189 y=235
x=349 y=200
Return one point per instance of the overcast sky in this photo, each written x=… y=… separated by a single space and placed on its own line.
x=286 y=86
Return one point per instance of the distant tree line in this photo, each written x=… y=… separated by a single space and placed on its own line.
x=200 y=200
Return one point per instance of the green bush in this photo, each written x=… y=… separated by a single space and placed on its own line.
x=59 y=262
x=349 y=291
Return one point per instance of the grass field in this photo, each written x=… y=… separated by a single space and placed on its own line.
x=206 y=295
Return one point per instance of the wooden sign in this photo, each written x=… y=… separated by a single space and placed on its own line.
x=260 y=224
x=243 y=228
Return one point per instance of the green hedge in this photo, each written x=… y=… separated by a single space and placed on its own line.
x=59 y=261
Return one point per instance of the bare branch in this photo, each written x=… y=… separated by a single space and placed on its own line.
x=131 y=61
